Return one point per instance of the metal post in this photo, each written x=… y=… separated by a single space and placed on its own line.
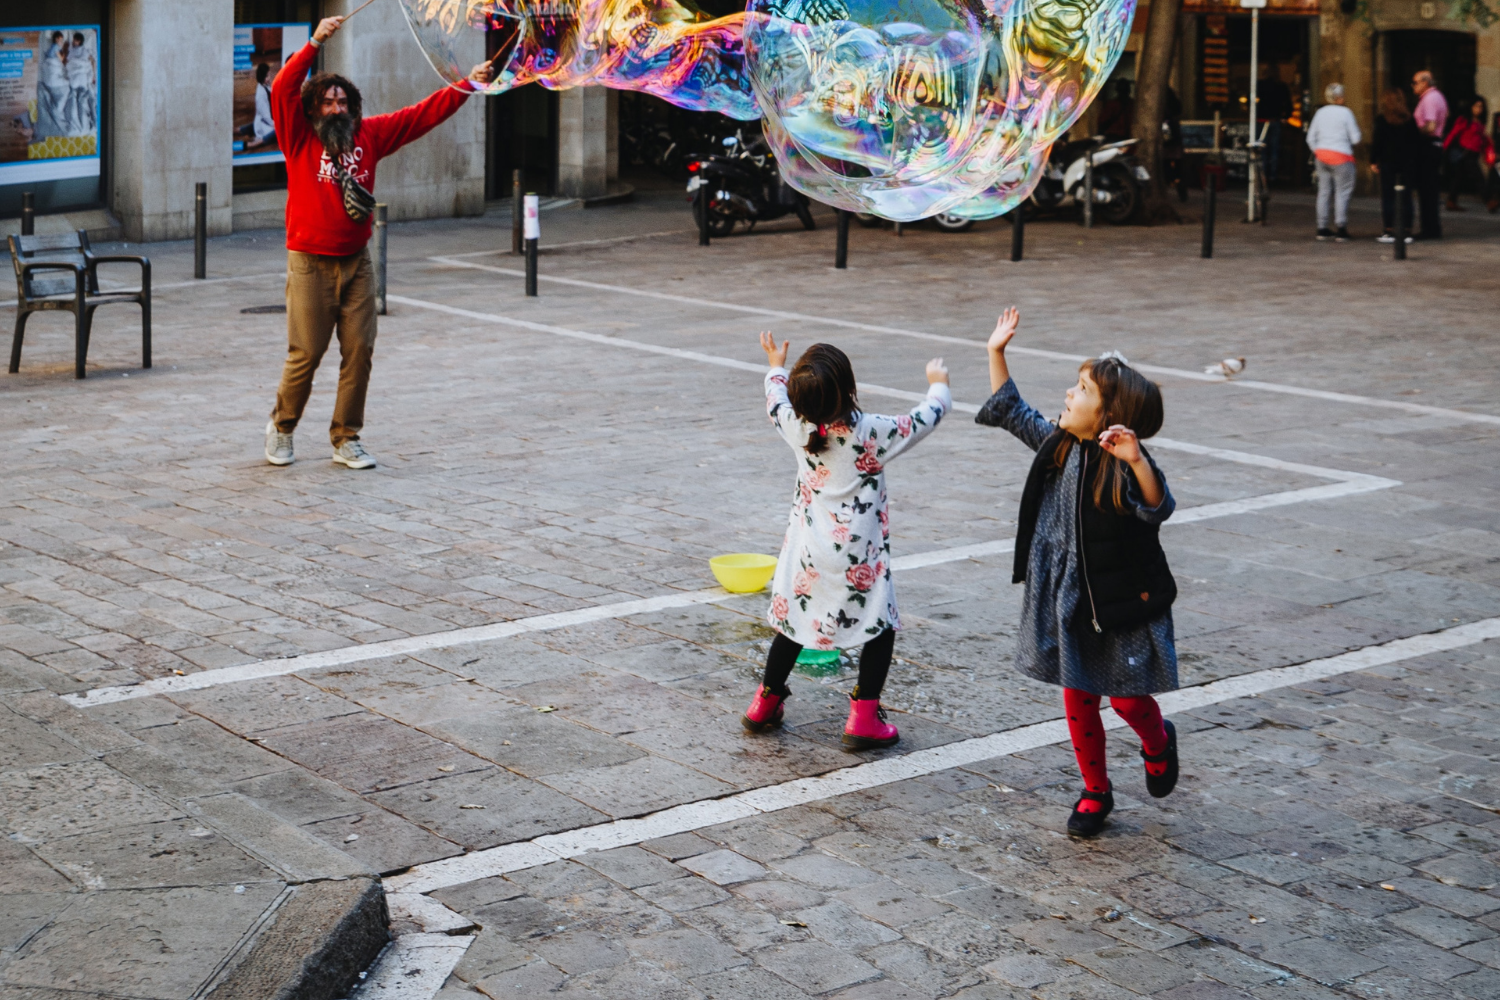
x=841 y=245
x=899 y=230
x=703 y=202
x=200 y=232
x=28 y=214
x=380 y=257
x=533 y=233
x=1251 y=147
x=1210 y=200
x=1400 y=249
x=1088 y=190
x=1017 y=231
x=516 y=212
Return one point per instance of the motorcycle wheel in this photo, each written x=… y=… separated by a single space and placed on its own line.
x=1125 y=193
x=804 y=213
x=951 y=223
x=868 y=221
x=719 y=224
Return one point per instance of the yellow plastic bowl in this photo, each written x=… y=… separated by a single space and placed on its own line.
x=743 y=572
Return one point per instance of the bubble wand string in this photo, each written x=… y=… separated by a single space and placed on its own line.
x=355 y=11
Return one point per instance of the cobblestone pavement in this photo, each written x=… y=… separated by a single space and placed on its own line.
x=526 y=472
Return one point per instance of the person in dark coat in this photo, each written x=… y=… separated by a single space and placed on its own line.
x=1393 y=159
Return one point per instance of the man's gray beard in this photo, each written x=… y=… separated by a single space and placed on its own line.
x=337 y=133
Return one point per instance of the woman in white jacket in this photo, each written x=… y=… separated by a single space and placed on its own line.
x=1332 y=137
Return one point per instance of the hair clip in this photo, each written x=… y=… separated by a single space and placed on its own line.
x=1114 y=356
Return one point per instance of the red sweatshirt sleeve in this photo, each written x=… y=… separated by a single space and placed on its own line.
x=390 y=132
x=292 y=128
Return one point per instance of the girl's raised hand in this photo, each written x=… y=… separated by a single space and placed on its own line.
x=775 y=355
x=1005 y=328
x=1121 y=442
x=936 y=371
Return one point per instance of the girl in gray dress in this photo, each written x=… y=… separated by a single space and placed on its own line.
x=1097 y=614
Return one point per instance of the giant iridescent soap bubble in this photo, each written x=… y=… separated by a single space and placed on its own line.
x=902 y=108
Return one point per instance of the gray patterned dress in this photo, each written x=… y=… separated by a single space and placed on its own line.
x=1128 y=662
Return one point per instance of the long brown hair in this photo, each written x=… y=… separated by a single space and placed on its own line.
x=1393 y=106
x=319 y=84
x=1126 y=397
x=821 y=389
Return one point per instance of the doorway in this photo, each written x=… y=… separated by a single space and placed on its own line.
x=522 y=135
x=1449 y=55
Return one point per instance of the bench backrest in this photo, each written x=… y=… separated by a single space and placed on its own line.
x=67 y=248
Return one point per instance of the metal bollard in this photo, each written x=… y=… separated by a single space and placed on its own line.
x=703 y=202
x=841 y=244
x=1088 y=192
x=516 y=213
x=533 y=233
x=1210 y=201
x=1400 y=248
x=28 y=214
x=200 y=232
x=380 y=257
x=1017 y=231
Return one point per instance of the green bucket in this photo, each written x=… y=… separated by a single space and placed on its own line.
x=818 y=662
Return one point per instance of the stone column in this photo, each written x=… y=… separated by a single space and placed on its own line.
x=442 y=173
x=171 y=120
x=582 y=142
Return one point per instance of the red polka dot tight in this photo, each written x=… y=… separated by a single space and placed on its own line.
x=1087 y=730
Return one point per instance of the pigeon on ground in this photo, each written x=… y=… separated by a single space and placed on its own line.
x=1228 y=368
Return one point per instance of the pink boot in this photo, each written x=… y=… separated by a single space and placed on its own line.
x=764 y=712
x=867 y=728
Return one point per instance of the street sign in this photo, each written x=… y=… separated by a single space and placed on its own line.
x=1255 y=4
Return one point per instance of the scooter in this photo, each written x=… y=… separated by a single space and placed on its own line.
x=1116 y=184
x=744 y=185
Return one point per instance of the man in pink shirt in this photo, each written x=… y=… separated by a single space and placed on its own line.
x=1431 y=116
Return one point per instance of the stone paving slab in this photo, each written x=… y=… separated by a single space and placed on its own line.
x=143 y=538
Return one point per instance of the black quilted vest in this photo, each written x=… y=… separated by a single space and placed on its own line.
x=1125 y=574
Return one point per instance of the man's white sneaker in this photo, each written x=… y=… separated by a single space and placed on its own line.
x=278 y=446
x=353 y=454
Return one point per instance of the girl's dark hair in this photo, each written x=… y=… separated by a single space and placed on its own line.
x=821 y=388
x=1126 y=397
x=1484 y=115
x=1393 y=106
x=319 y=84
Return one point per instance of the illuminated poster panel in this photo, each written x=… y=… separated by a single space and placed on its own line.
x=259 y=51
x=49 y=103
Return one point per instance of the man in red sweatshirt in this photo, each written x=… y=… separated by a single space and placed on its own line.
x=331 y=151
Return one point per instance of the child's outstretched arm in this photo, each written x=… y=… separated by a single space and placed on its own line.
x=1005 y=329
x=778 y=406
x=893 y=435
x=1005 y=408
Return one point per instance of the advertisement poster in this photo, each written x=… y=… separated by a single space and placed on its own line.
x=259 y=50
x=49 y=100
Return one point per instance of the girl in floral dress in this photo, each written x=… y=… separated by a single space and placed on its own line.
x=832 y=588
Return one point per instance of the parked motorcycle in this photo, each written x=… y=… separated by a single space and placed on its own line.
x=744 y=185
x=1118 y=177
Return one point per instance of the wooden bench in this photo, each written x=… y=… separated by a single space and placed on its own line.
x=62 y=273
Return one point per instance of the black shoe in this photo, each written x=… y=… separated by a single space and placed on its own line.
x=1342 y=236
x=1082 y=824
x=1161 y=785
x=1325 y=234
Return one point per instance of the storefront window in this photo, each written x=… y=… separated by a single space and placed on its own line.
x=53 y=105
x=266 y=33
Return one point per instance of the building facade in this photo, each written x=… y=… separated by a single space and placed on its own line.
x=115 y=109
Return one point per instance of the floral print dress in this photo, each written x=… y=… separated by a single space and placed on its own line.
x=832 y=588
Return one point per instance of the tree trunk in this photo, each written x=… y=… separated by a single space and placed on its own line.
x=1153 y=72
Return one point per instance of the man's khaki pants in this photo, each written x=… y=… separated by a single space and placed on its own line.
x=322 y=293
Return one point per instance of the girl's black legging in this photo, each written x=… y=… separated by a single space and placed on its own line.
x=874 y=664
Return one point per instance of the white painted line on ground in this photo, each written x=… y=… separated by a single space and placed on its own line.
x=773 y=798
x=1347 y=483
x=582 y=243
x=1196 y=376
